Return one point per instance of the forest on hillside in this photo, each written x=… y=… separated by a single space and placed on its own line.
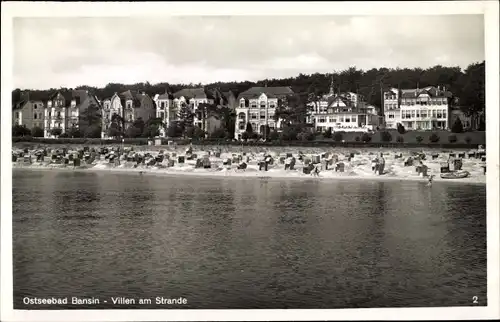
x=468 y=85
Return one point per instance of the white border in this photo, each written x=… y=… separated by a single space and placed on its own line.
x=490 y=10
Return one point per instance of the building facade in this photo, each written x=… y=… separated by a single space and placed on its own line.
x=418 y=109
x=29 y=111
x=129 y=106
x=65 y=110
x=346 y=111
x=257 y=106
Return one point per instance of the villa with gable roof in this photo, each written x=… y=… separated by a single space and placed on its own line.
x=130 y=106
x=343 y=111
x=258 y=105
x=64 y=108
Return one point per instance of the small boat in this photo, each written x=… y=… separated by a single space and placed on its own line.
x=455 y=175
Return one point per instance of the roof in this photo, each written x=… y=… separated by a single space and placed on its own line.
x=343 y=99
x=136 y=97
x=166 y=96
x=198 y=93
x=432 y=91
x=272 y=92
x=79 y=95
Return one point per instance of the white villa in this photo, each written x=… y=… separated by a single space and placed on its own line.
x=258 y=105
x=418 y=109
x=343 y=112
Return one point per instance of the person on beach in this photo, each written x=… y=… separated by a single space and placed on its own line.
x=429 y=183
x=315 y=172
x=381 y=164
x=375 y=165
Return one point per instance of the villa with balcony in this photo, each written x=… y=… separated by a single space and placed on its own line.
x=346 y=111
x=418 y=109
x=257 y=106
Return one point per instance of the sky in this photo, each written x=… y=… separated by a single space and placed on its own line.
x=95 y=51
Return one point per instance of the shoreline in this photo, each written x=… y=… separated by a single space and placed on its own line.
x=252 y=174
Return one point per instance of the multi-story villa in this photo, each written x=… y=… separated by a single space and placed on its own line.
x=29 y=111
x=343 y=112
x=130 y=106
x=418 y=109
x=258 y=105
x=64 y=109
x=165 y=110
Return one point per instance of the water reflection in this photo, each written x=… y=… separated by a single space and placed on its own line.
x=226 y=243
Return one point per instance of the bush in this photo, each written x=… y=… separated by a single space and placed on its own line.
x=305 y=136
x=93 y=131
x=37 y=132
x=385 y=136
x=337 y=136
x=56 y=131
x=219 y=133
x=64 y=136
x=244 y=136
x=452 y=138
x=274 y=135
x=401 y=129
x=482 y=126
x=468 y=139
x=357 y=139
x=366 y=137
x=289 y=133
x=20 y=130
x=328 y=133
x=434 y=138
x=419 y=138
x=457 y=126
x=249 y=128
x=400 y=139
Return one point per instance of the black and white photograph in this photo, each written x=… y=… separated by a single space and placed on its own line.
x=250 y=161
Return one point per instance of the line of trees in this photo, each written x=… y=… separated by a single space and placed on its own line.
x=467 y=84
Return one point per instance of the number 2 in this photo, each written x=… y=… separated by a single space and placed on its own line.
x=474 y=299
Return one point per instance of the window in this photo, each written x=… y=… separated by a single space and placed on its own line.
x=418 y=114
x=263 y=104
x=162 y=105
x=341 y=119
x=130 y=117
x=253 y=116
x=321 y=120
x=253 y=105
x=347 y=119
x=423 y=114
x=58 y=114
x=391 y=116
x=439 y=114
x=353 y=119
x=129 y=105
x=162 y=115
x=272 y=105
x=444 y=113
x=35 y=116
x=241 y=126
x=262 y=115
x=413 y=113
x=50 y=114
x=17 y=115
x=242 y=104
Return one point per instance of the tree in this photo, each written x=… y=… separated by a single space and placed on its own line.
x=186 y=116
x=385 y=136
x=152 y=127
x=93 y=131
x=274 y=135
x=434 y=138
x=401 y=129
x=366 y=137
x=338 y=136
x=472 y=95
x=74 y=132
x=328 y=133
x=457 y=126
x=174 y=130
x=20 y=130
x=90 y=116
x=289 y=133
x=37 y=132
x=219 y=133
x=56 y=131
x=116 y=127
x=249 y=128
x=244 y=136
